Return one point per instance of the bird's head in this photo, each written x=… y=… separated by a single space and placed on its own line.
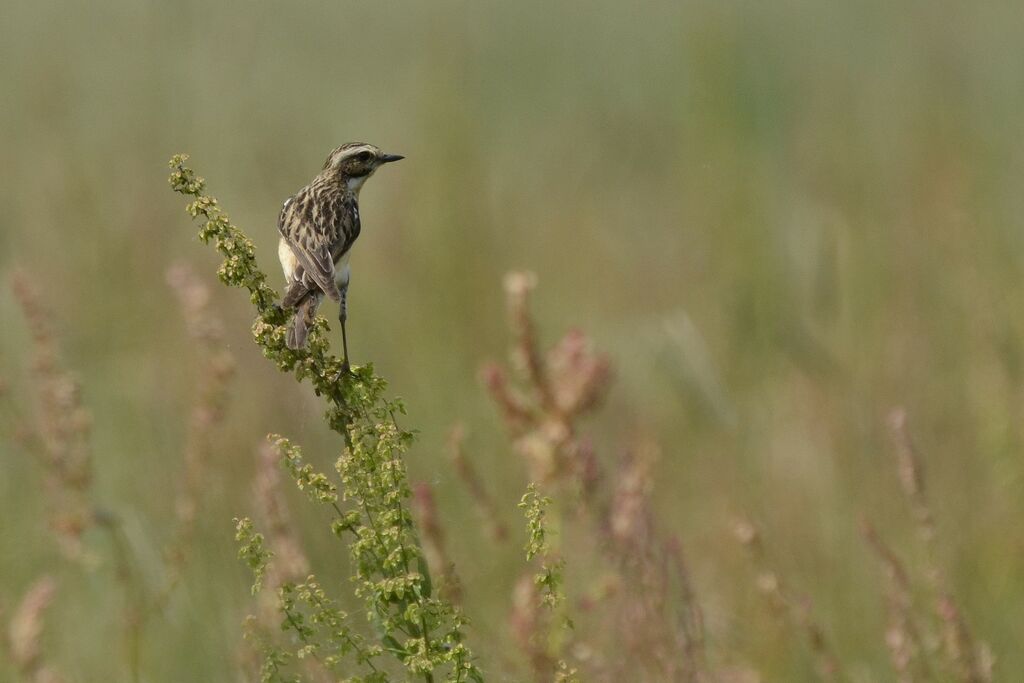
x=354 y=162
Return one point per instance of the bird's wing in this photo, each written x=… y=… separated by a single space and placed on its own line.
x=311 y=246
x=296 y=292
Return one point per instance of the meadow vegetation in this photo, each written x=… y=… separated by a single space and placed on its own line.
x=705 y=315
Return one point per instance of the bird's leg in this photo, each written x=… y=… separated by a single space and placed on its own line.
x=345 y=367
x=342 y=317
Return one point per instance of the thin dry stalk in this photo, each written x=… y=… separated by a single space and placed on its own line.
x=62 y=433
x=643 y=600
x=526 y=353
x=554 y=390
x=61 y=427
x=656 y=620
x=482 y=500
x=969 y=660
x=512 y=406
x=689 y=628
x=440 y=563
x=565 y=383
x=15 y=427
x=530 y=626
x=290 y=562
x=23 y=643
x=795 y=609
x=907 y=651
x=911 y=476
x=217 y=367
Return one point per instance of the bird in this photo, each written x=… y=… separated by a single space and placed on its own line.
x=318 y=226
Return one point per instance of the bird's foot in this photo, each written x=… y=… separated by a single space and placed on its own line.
x=346 y=371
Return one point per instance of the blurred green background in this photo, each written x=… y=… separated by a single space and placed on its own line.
x=779 y=219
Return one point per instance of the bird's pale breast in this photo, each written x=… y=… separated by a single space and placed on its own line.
x=342 y=273
x=287 y=257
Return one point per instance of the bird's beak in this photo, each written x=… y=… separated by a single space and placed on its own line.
x=388 y=158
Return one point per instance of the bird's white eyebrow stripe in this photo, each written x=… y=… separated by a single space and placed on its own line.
x=355 y=150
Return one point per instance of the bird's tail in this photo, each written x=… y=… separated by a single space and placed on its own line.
x=298 y=328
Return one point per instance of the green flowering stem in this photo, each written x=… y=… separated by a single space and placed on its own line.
x=252 y=551
x=345 y=395
x=370 y=506
x=538 y=543
x=549 y=578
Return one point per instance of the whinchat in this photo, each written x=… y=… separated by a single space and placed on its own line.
x=318 y=226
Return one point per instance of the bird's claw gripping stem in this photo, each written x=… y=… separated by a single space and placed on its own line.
x=345 y=371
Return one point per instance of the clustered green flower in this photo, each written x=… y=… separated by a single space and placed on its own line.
x=317 y=485
x=252 y=551
x=423 y=632
x=549 y=578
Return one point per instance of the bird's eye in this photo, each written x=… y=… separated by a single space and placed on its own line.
x=364 y=156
